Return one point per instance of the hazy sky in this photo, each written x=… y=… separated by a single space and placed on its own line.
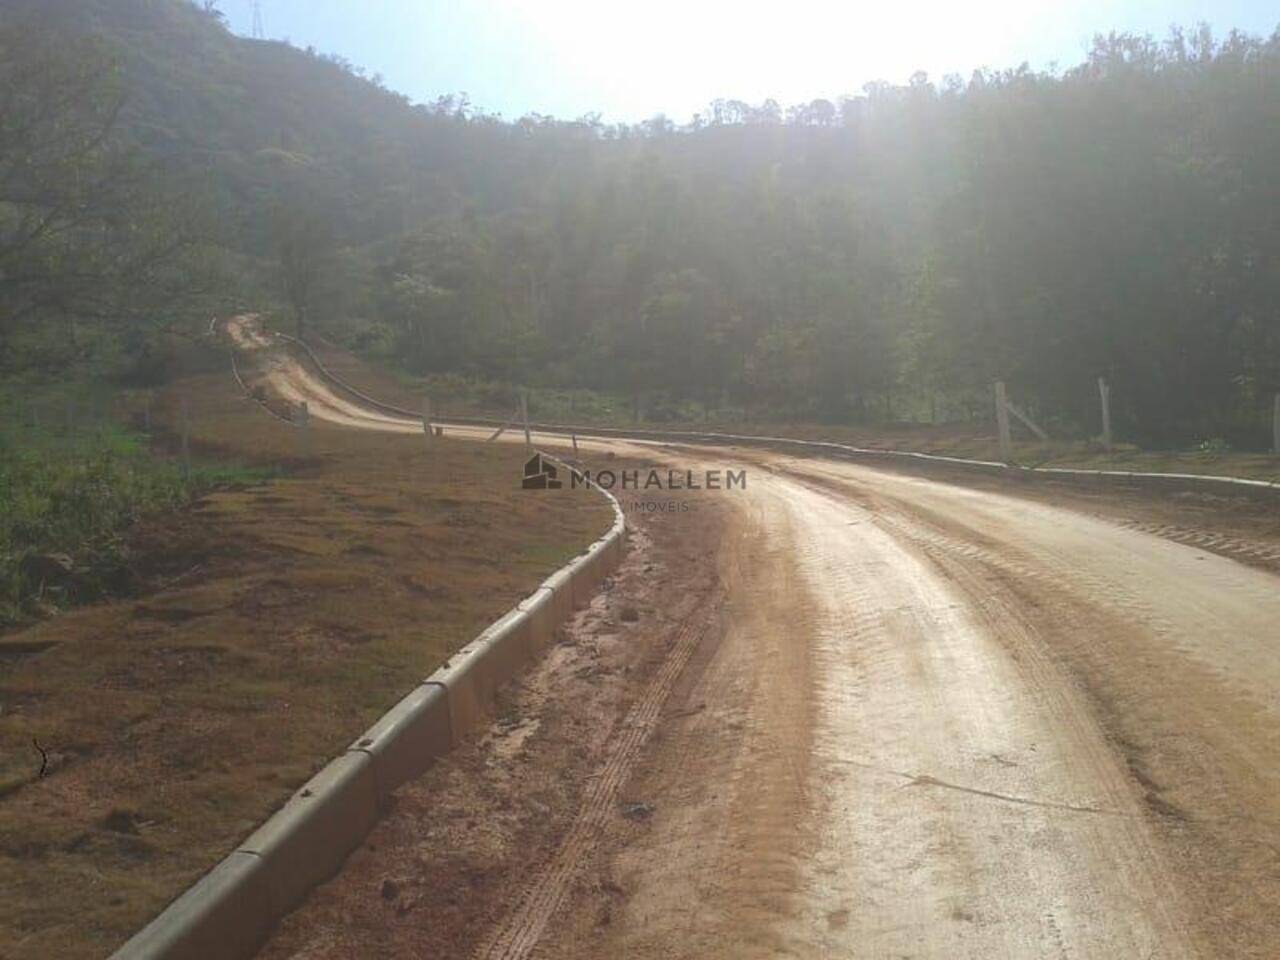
x=630 y=61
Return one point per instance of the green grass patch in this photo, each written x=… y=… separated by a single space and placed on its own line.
x=67 y=498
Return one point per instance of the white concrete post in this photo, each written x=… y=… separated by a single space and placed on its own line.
x=1104 y=391
x=1002 y=423
x=426 y=418
x=524 y=415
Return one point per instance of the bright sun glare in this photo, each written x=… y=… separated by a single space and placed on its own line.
x=676 y=56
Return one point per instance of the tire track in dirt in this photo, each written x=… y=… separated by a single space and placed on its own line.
x=713 y=871
x=1101 y=564
x=1159 y=662
x=518 y=935
x=1254 y=552
x=917 y=687
x=1095 y=761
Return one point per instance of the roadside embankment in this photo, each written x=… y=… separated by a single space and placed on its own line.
x=278 y=621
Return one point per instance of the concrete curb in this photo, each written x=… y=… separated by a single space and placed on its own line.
x=905 y=459
x=235 y=369
x=229 y=913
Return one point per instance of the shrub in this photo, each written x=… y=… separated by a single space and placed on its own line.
x=65 y=503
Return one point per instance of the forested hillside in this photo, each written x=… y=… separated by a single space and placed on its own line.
x=886 y=256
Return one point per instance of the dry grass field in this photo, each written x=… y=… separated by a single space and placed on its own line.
x=276 y=622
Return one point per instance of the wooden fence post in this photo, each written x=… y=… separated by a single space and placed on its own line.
x=304 y=424
x=524 y=414
x=1002 y=423
x=186 y=438
x=1275 y=427
x=503 y=429
x=1104 y=390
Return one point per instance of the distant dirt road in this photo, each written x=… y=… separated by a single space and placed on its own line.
x=931 y=721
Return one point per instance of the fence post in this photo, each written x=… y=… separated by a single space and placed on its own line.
x=575 y=444
x=186 y=439
x=1275 y=427
x=524 y=414
x=1104 y=390
x=1002 y=423
x=426 y=418
x=503 y=429
x=304 y=423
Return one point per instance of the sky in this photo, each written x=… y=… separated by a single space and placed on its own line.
x=631 y=61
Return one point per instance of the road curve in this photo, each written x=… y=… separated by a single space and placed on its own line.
x=947 y=723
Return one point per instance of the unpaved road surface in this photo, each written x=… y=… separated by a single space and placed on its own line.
x=948 y=724
x=903 y=718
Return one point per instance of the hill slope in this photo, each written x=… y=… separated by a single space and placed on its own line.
x=883 y=257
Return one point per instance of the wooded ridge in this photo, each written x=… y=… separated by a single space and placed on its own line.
x=884 y=256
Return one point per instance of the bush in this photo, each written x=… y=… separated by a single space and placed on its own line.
x=1214 y=447
x=65 y=504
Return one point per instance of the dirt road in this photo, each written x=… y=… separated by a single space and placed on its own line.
x=930 y=721
x=965 y=726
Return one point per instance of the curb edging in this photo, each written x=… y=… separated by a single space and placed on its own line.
x=900 y=458
x=229 y=913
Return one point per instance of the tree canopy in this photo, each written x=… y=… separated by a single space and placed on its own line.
x=885 y=255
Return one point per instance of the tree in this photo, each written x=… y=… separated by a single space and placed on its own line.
x=210 y=9
x=302 y=241
x=94 y=237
